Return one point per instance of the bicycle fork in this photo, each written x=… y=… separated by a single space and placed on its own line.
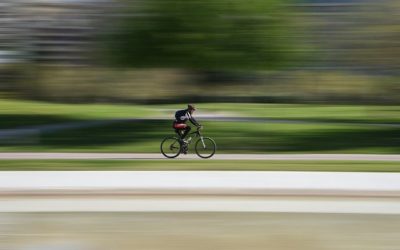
x=202 y=141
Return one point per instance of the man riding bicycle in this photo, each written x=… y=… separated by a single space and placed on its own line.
x=172 y=146
x=181 y=117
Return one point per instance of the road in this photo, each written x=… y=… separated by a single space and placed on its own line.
x=158 y=156
x=199 y=191
x=180 y=210
x=198 y=203
x=198 y=231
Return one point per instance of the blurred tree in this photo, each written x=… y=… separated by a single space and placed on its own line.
x=209 y=35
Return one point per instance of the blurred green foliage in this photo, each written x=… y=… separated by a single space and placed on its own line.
x=152 y=85
x=176 y=51
x=202 y=35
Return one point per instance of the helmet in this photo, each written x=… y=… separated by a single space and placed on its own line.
x=191 y=107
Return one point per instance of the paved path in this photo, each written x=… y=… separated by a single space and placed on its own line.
x=199 y=180
x=198 y=231
x=115 y=203
x=158 y=156
x=200 y=191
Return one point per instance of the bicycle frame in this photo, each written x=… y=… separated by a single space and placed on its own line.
x=197 y=134
x=205 y=149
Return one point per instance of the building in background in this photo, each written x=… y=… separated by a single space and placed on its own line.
x=49 y=31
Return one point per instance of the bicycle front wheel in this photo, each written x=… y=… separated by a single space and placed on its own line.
x=170 y=147
x=205 y=147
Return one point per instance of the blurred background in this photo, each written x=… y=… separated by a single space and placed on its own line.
x=267 y=76
x=325 y=70
x=325 y=51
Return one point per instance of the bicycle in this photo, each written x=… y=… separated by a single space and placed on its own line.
x=172 y=146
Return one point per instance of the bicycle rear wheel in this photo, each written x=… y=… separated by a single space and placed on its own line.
x=205 y=147
x=170 y=147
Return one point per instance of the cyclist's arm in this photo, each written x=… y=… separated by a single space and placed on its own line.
x=193 y=121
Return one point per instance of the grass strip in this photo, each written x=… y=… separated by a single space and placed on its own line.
x=209 y=165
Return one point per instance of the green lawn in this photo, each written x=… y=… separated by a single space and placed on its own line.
x=231 y=137
x=322 y=132
x=176 y=164
x=17 y=113
x=313 y=112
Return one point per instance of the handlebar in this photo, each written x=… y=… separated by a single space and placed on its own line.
x=198 y=128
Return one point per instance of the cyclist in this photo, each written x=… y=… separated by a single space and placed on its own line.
x=181 y=117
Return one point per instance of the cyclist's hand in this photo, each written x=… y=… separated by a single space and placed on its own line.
x=199 y=127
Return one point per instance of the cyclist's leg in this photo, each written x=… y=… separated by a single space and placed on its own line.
x=178 y=132
x=185 y=145
x=187 y=130
x=180 y=129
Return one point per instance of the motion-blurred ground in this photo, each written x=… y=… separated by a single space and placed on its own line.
x=21 y=231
